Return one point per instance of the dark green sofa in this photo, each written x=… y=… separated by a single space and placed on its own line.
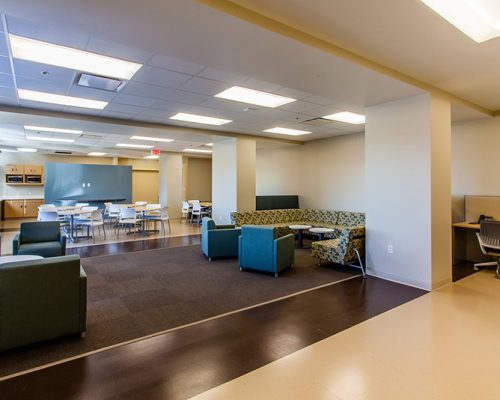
x=218 y=240
x=41 y=300
x=40 y=239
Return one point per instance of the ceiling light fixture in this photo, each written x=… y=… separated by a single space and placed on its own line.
x=47 y=129
x=96 y=154
x=8 y=150
x=52 y=98
x=209 y=144
x=287 y=131
x=151 y=139
x=197 y=151
x=200 y=119
x=346 y=116
x=49 y=139
x=26 y=150
x=152 y=157
x=47 y=53
x=134 y=146
x=251 y=96
x=478 y=19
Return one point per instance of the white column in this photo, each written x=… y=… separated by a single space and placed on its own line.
x=233 y=177
x=408 y=191
x=170 y=183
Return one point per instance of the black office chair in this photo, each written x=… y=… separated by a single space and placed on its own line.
x=489 y=241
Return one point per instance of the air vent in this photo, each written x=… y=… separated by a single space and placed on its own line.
x=66 y=153
x=317 y=122
x=99 y=82
x=90 y=136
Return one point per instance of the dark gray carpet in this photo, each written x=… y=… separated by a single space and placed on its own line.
x=136 y=294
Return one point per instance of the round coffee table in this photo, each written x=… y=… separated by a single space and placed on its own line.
x=9 y=259
x=321 y=232
x=300 y=229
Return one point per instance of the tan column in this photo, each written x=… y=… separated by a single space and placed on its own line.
x=170 y=182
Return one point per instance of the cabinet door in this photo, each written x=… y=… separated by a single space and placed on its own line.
x=37 y=170
x=14 y=208
x=31 y=208
x=14 y=169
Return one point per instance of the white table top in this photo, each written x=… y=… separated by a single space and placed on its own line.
x=73 y=211
x=300 y=226
x=321 y=230
x=9 y=259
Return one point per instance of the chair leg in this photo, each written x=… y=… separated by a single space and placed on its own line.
x=169 y=231
x=93 y=235
x=485 y=264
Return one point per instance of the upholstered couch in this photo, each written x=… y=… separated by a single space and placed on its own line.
x=41 y=300
x=40 y=239
x=348 y=229
x=219 y=240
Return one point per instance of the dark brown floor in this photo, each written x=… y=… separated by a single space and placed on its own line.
x=182 y=363
x=462 y=270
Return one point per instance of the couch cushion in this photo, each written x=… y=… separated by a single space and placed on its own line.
x=347 y=218
x=43 y=249
x=33 y=232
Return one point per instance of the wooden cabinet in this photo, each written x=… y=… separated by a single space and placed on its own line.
x=21 y=208
x=33 y=170
x=14 y=170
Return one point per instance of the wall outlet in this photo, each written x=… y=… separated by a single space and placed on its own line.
x=390 y=249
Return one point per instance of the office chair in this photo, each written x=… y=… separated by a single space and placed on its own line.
x=489 y=241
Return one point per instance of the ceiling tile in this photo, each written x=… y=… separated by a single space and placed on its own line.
x=4 y=51
x=174 y=64
x=80 y=110
x=40 y=105
x=169 y=106
x=145 y=90
x=157 y=113
x=293 y=93
x=9 y=101
x=123 y=108
x=260 y=85
x=204 y=86
x=5 y=65
x=134 y=100
x=218 y=75
x=322 y=101
x=90 y=93
x=160 y=77
x=6 y=80
x=223 y=104
x=298 y=106
x=181 y=96
x=118 y=51
x=116 y=114
x=42 y=86
x=34 y=70
x=9 y=92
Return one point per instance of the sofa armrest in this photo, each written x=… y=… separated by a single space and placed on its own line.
x=284 y=252
x=62 y=241
x=15 y=244
x=83 y=300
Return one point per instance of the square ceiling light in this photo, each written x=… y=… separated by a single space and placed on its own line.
x=478 y=19
x=96 y=154
x=151 y=139
x=287 y=131
x=26 y=150
x=54 y=130
x=52 y=98
x=47 y=53
x=200 y=119
x=197 y=151
x=348 y=117
x=134 y=146
x=251 y=96
x=151 y=157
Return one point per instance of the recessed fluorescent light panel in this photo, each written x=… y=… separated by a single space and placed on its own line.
x=151 y=139
x=96 y=154
x=209 y=144
x=152 y=157
x=197 y=151
x=200 y=119
x=478 y=19
x=47 y=129
x=49 y=139
x=26 y=150
x=8 y=150
x=134 y=146
x=287 y=131
x=251 y=96
x=52 y=98
x=346 y=116
x=47 y=53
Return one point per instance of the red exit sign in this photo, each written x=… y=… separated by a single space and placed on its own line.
x=155 y=152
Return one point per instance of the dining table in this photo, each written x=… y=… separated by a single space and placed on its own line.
x=69 y=213
x=142 y=210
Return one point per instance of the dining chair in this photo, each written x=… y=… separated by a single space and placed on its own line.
x=186 y=209
x=197 y=211
x=140 y=203
x=80 y=205
x=47 y=207
x=160 y=216
x=95 y=219
x=114 y=212
x=106 y=210
x=128 y=218
x=48 y=216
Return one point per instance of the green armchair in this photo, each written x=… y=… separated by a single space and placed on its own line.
x=219 y=240
x=40 y=239
x=41 y=299
x=261 y=248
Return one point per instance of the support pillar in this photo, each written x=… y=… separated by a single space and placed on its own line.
x=170 y=183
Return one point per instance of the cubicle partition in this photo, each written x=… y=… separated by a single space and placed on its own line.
x=67 y=184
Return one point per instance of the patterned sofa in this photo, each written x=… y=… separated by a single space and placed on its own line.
x=340 y=247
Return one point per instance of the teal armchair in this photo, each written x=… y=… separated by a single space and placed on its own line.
x=40 y=239
x=219 y=240
x=41 y=299
x=261 y=249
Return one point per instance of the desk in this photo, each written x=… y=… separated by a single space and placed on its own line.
x=465 y=243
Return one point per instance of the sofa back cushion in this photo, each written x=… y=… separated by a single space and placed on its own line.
x=347 y=218
x=35 y=232
x=264 y=217
x=318 y=216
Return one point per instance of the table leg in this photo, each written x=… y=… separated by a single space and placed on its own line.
x=321 y=236
x=300 y=239
x=71 y=226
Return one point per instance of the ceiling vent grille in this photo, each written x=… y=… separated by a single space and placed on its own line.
x=66 y=153
x=90 y=136
x=317 y=122
x=99 y=82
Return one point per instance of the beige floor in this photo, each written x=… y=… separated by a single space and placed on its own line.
x=444 y=345
x=177 y=229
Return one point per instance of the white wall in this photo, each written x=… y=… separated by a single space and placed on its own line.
x=199 y=179
x=475 y=161
x=327 y=174
x=223 y=180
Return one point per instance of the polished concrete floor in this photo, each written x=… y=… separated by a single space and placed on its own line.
x=440 y=346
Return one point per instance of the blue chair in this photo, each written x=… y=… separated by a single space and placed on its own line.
x=40 y=239
x=261 y=249
x=218 y=240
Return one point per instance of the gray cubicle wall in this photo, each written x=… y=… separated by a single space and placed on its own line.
x=66 y=184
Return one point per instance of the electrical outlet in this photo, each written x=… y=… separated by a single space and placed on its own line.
x=390 y=249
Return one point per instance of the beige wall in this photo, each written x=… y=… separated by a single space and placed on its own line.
x=199 y=178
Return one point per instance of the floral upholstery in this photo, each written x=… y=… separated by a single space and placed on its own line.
x=348 y=234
